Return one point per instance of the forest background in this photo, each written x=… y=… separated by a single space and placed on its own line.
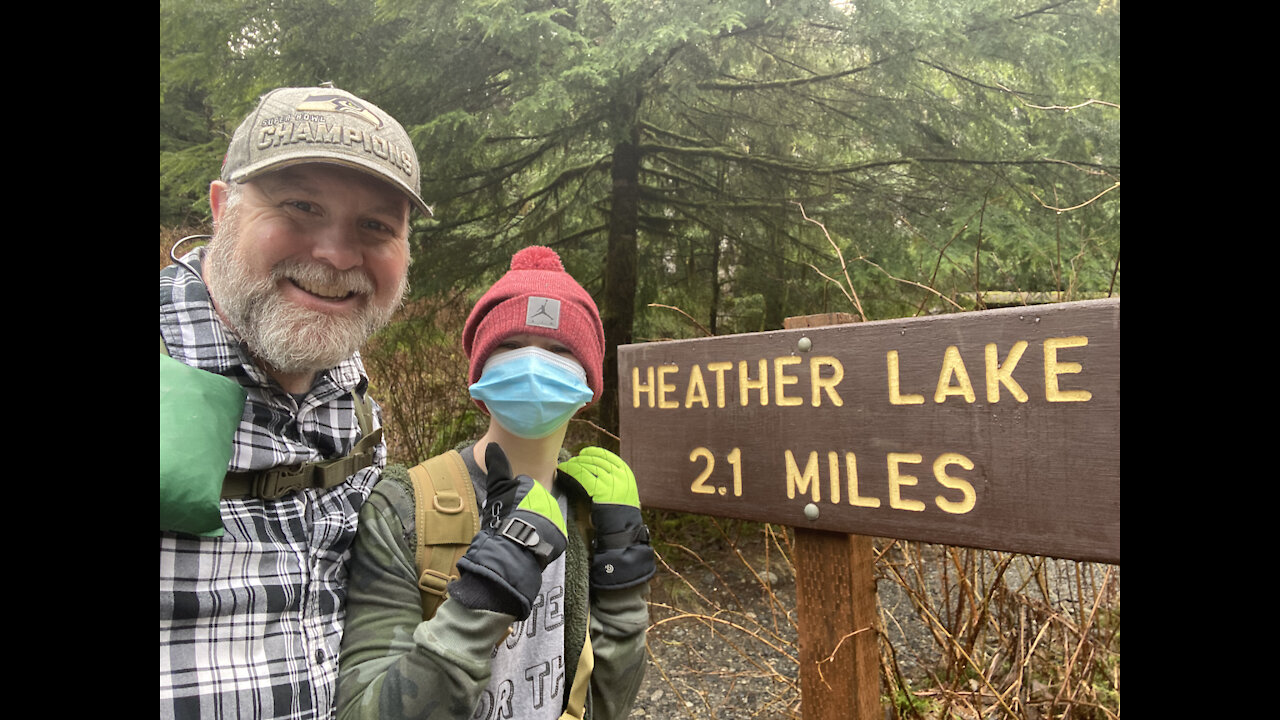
x=708 y=167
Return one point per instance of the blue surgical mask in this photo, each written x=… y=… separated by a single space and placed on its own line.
x=530 y=391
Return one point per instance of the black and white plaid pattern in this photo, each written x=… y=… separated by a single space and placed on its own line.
x=250 y=623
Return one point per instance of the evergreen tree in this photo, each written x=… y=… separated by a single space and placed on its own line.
x=670 y=150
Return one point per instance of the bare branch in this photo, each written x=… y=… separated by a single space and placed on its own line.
x=851 y=293
x=1074 y=207
x=697 y=324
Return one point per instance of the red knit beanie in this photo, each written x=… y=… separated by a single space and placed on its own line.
x=537 y=297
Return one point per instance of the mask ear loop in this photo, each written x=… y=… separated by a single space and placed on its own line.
x=173 y=252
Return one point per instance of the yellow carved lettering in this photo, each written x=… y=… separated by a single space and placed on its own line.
x=699 y=485
x=1002 y=373
x=719 y=369
x=797 y=482
x=735 y=462
x=1053 y=368
x=745 y=383
x=897 y=479
x=955 y=507
x=820 y=383
x=953 y=366
x=781 y=380
x=833 y=475
x=895 y=392
x=851 y=467
x=664 y=387
x=637 y=387
x=697 y=391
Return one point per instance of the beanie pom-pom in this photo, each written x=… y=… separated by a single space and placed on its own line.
x=536 y=257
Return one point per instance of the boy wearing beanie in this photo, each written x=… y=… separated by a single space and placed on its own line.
x=545 y=613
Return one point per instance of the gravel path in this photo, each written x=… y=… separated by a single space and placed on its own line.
x=722 y=647
x=723 y=638
x=727 y=656
x=730 y=655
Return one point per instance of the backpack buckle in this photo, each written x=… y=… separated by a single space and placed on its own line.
x=278 y=482
x=435 y=582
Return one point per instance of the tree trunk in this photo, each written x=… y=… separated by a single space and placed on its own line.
x=618 y=313
x=714 y=312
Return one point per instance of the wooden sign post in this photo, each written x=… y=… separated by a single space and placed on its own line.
x=838 y=650
x=997 y=429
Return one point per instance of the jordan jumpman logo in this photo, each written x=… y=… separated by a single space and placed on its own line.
x=545 y=313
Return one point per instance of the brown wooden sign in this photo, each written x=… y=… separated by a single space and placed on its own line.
x=997 y=429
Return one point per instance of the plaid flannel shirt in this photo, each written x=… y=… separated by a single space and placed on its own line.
x=251 y=622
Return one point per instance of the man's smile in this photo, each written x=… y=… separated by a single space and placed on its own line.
x=326 y=291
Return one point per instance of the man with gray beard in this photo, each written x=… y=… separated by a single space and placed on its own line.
x=309 y=257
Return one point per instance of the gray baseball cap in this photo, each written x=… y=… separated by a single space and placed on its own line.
x=292 y=126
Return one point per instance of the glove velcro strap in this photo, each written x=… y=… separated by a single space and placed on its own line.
x=617 y=526
x=523 y=532
x=623 y=538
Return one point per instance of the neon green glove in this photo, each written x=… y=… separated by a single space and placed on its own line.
x=622 y=555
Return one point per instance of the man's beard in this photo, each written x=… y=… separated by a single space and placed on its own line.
x=285 y=336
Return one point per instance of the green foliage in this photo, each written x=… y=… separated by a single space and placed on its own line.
x=418 y=375
x=909 y=705
x=947 y=149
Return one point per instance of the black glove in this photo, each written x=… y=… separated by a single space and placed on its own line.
x=622 y=557
x=522 y=531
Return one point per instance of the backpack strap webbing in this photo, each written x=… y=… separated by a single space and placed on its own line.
x=446 y=520
x=577 y=704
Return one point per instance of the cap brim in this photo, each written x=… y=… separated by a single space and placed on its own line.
x=252 y=171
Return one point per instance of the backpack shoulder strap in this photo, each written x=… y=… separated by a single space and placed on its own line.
x=275 y=482
x=446 y=518
x=576 y=706
x=364 y=412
